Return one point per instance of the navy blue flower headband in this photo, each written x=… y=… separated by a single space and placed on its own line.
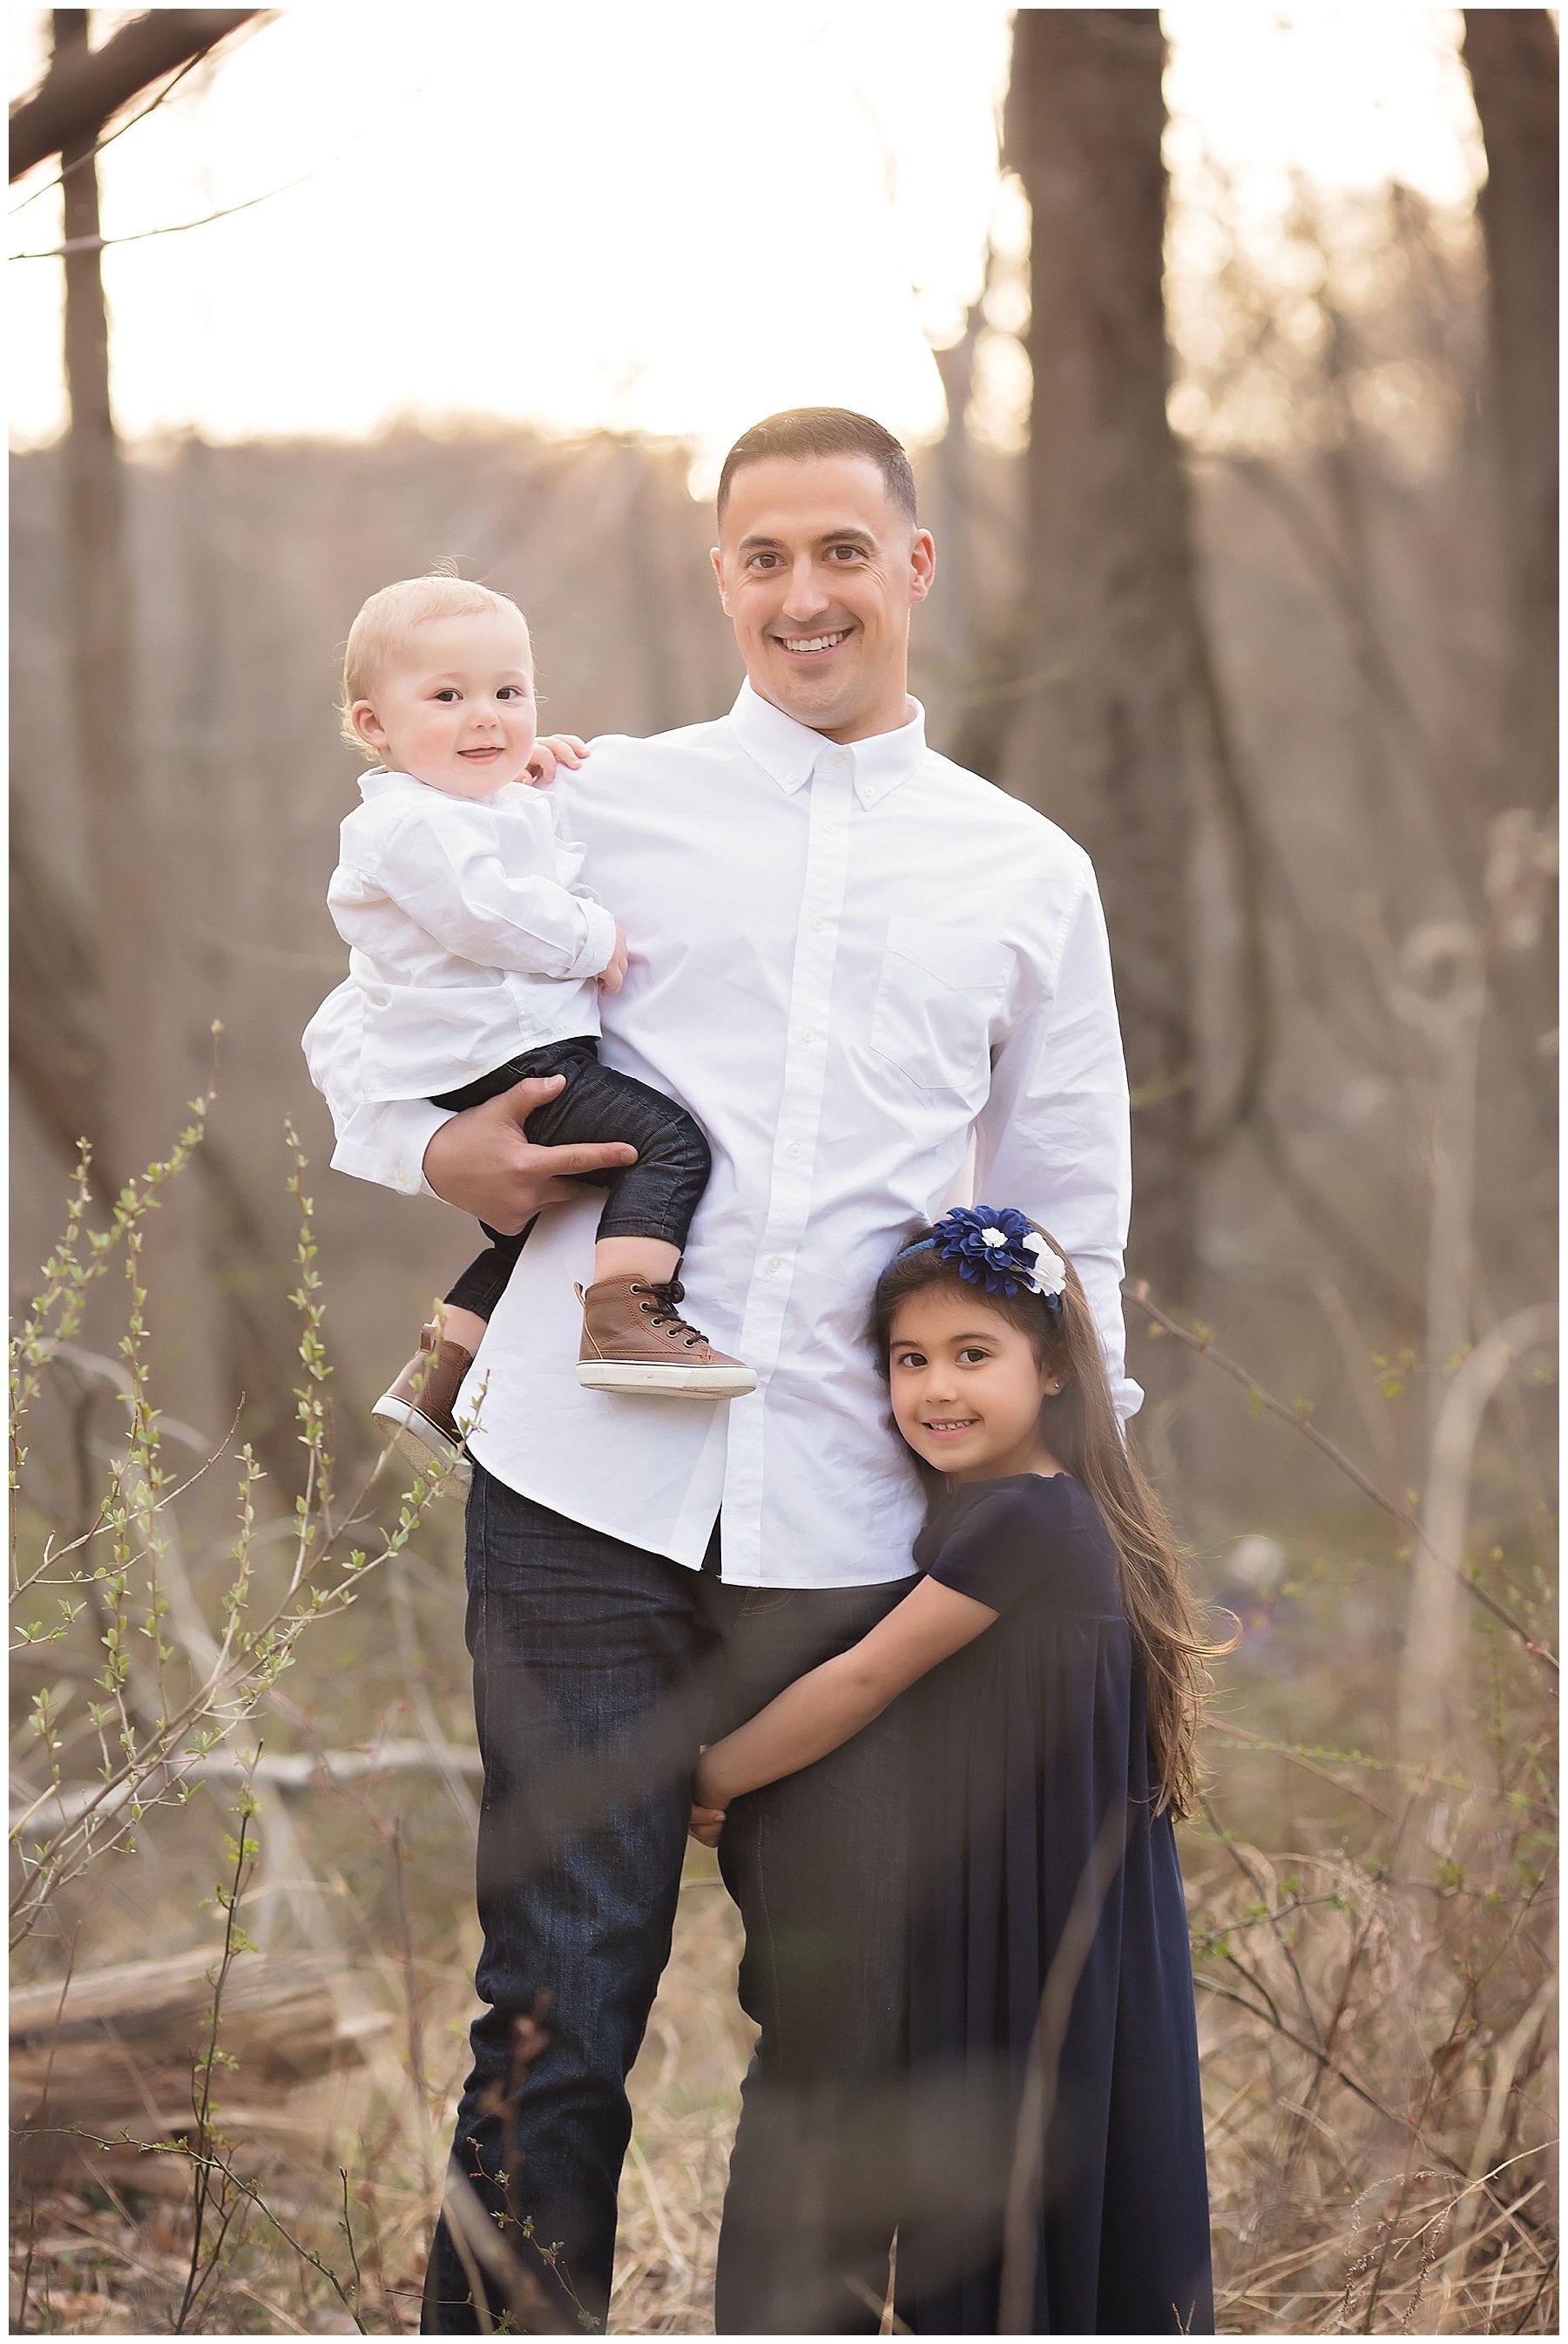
x=996 y=1247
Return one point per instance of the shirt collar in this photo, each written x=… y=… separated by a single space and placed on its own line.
x=788 y=751
x=380 y=782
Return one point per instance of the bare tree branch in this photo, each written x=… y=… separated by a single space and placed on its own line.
x=84 y=87
x=174 y=227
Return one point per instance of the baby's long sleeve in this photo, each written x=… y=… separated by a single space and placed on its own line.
x=442 y=866
x=382 y=1140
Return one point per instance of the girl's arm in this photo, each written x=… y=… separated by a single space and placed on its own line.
x=825 y=1707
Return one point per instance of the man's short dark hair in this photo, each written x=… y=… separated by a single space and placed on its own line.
x=805 y=431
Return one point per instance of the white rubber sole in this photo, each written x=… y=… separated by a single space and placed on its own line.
x=421 y=1442
x=673 y=1382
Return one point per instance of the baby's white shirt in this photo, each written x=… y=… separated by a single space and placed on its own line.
x=468 y=934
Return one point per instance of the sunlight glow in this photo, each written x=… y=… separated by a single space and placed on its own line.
x=612 y=216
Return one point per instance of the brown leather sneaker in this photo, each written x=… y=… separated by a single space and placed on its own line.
x=636 y=1340
x=420 y=1404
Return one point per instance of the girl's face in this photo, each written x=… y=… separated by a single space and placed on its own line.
x=967 y=1387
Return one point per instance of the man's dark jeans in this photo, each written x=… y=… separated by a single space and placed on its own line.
x=598 y=1671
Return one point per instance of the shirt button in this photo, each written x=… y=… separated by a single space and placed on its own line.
x=807 y=1034
x=841 y=757
x=774 y=1262
x=794 y=1148
x=829 y=830
x=818 y=926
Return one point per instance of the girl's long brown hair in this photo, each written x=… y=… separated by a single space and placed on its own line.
x=1080 y=1426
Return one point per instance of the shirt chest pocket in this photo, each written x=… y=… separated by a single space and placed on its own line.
x=938 y=992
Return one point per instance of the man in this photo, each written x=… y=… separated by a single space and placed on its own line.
x=850 y=960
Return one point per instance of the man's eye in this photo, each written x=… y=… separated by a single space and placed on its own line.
x=852 y=552
x=762 y=560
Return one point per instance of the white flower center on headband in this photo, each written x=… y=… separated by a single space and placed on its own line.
x=1049 y=1275
x=993 y=1237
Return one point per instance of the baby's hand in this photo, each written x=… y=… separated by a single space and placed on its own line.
x=613 y=975
x=705 y=1825
x=556 y=749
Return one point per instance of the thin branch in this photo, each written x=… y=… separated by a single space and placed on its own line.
x=177 y=228
x=1295 y=1417
x=1329 y=2065
x=220 y=2165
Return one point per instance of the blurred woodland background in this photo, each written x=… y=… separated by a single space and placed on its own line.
x=1248 y=578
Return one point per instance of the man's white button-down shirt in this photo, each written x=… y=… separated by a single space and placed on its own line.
x=470 y=938
x=848 y=963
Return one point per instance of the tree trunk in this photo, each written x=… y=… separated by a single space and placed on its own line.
x=1108 y=640
x=1511 y=57
x=103 y=675
x=141 y=1081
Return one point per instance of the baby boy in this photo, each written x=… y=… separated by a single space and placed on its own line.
x=480 y=958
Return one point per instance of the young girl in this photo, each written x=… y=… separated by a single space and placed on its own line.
x=1058 y=2182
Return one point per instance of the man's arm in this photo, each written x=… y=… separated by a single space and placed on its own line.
x=480 y=1160
x=1055 y=1138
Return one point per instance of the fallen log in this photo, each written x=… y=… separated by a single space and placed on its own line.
x=118 y=2057
x=51 y=1810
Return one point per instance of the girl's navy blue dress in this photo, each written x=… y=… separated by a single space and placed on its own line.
x=1033 y=1798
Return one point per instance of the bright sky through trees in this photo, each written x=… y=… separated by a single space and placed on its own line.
x=671 y=221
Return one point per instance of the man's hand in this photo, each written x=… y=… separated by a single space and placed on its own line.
x=555 y=750
x=705 y=1825
x=482 y=1162
x=612 y=976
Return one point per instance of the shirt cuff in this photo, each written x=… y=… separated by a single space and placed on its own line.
x=384 y=1141
x=599 y=947
x=1127 y=1397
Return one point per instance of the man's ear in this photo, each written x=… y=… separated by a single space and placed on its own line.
x=718 y=561
x=922 y=564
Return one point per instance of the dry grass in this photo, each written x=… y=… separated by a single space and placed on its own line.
x=1376 y=2003
x=1429 y=2214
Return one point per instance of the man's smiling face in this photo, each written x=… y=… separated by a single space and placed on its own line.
x=819 y=568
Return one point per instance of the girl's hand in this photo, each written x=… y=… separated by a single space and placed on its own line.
x=555 y=750
x=705 y=1825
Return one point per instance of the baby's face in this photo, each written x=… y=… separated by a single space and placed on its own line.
x=452 y=704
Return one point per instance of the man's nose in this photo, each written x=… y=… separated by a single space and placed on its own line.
x=806 y=598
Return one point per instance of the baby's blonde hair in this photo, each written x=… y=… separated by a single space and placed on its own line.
x=387 y=618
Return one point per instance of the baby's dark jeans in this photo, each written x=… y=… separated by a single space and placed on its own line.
x=654 y=1197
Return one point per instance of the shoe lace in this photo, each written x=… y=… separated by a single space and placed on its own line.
x=665 y=1313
